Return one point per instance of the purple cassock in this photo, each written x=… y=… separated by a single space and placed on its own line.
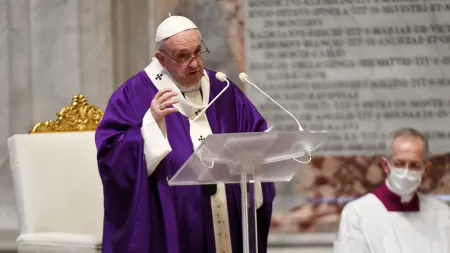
x=142 y=213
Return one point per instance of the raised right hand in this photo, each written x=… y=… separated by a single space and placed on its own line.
x=161 y=104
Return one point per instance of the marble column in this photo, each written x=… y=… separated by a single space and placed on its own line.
x=70 y=49
x=132 y=37
x=50 y=50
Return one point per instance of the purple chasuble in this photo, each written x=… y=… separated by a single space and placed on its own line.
x=145 y=215
x=393 y=203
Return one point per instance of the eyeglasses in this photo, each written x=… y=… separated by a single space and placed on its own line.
x=186 y=60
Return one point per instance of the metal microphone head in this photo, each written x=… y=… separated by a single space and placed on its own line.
x=243 y=76
x=221 y=76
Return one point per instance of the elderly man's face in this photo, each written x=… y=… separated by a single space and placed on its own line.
x=407 y=153
x=182 y=57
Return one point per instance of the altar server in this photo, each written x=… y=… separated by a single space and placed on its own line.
x=146 y=135
x=394 y=217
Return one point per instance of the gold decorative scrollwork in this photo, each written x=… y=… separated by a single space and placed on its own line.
x=79 y=117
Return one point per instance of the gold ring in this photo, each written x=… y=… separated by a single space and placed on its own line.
x=161 y=107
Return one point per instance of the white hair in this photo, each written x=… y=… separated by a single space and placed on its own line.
x=411 y=132
x=160 y=45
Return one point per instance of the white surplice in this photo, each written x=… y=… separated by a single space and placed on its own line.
x=156 y=145
x=367 y=227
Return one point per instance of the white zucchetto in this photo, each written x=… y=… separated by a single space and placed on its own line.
x=173 y=25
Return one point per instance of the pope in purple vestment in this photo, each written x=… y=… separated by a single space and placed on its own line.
x=142 y=213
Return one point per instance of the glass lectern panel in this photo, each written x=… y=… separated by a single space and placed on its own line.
x=267 y=156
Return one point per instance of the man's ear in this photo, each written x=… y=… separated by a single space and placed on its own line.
x=384 y=164
x=162 y=60
x=427 y=168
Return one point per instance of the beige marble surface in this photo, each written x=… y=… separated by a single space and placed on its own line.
x=50 y=50
x=133 y=37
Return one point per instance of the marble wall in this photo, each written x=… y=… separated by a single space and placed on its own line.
x=312 y=202
x=133 y=35
x=50 y=50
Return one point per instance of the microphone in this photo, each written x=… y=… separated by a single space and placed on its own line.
x=221 y=77
x=244 y=78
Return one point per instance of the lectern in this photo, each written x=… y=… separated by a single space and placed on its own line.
x=247 y=158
